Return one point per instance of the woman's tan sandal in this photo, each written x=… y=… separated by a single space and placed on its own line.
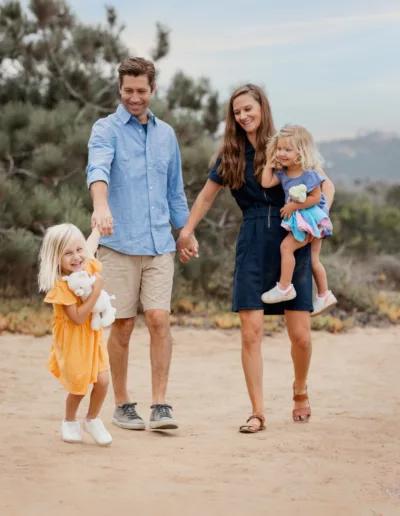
x=252 y=429
x=301 y=415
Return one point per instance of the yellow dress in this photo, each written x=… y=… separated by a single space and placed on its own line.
x=78 y=353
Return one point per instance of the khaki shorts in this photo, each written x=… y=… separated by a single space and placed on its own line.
x=131 y=279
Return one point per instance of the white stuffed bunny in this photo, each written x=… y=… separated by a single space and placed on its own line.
x=103 y=314
x=298 y=193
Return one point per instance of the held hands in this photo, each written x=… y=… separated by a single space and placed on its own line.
x=287 y=210
x=187 y=246
x=102 y=219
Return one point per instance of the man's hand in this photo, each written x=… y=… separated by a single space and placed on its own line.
x=102 y=219
x=287 y=210
x=187 y=246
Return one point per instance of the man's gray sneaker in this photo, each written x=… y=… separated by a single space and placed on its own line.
x=125 y=416
x=161 y=418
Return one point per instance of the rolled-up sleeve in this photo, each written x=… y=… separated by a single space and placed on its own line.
x=101 y=153
x=177 y=202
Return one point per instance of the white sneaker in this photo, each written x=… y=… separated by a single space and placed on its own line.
x=321 y=304
x=277 y=295
x=96 y=429
x=71 y=431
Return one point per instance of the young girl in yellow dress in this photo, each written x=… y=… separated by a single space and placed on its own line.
x=78 y=355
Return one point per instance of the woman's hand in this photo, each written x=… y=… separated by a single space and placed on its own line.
x=287 y=210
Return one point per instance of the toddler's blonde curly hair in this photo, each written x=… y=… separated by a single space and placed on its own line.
x=302 y=142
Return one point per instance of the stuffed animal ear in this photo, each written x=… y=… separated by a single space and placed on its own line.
x=64 y=278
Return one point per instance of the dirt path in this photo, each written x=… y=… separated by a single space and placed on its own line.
x=345 y=462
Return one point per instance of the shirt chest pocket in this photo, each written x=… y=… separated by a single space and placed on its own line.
x=162 y=162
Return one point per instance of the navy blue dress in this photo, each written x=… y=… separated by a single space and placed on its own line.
x=258 y=256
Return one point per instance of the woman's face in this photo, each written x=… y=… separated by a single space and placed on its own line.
x=247 y=112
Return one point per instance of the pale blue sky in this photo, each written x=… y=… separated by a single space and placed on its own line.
x=331 y=66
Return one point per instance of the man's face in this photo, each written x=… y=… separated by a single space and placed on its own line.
x=135 y=95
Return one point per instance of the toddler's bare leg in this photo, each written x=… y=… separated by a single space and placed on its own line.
x=288 y=262
x=98 y=395
x=71 y=406
x=318 y=269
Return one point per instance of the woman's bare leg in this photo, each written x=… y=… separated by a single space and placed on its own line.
x=299 y=330
x=252 y=329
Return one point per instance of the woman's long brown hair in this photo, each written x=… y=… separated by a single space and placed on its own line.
x=232 y=153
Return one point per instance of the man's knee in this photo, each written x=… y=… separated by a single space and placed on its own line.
x=121 y=331
x=158 y=322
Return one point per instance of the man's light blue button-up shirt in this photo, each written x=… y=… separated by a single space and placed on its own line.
x=144 y=178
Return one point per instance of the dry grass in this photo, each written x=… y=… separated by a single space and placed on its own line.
x=31 y=316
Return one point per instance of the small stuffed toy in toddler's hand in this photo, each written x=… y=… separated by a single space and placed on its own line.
x=298 y=193
x=103 y=314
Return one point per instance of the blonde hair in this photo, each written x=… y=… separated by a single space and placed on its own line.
x=54 y=244
x=303 y=143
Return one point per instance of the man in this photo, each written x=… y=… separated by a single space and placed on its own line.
x=135 y=179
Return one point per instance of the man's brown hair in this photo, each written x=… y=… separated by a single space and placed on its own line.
x=136 y=66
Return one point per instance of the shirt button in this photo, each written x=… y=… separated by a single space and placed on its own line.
x=149 y=168
x=152 y=207
x=151 y=188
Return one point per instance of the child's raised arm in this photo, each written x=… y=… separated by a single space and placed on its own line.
x=269 y=179
x=92 y=242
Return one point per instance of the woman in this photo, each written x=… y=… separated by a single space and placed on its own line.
x=240 y=163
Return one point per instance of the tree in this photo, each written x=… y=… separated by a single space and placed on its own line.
x=57 y=76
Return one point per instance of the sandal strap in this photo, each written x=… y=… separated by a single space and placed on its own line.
x=260 y=417
x=300 y=397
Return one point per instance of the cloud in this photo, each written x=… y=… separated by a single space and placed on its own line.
x=278 y=34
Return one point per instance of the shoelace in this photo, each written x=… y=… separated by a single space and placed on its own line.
x=162 y=409
x=130 y=410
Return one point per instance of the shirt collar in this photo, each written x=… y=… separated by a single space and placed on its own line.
x=248 y=147
x=125 y=116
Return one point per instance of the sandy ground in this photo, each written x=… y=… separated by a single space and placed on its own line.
x=345 y=462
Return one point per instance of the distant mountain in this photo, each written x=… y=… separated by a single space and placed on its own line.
x=372 y=157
